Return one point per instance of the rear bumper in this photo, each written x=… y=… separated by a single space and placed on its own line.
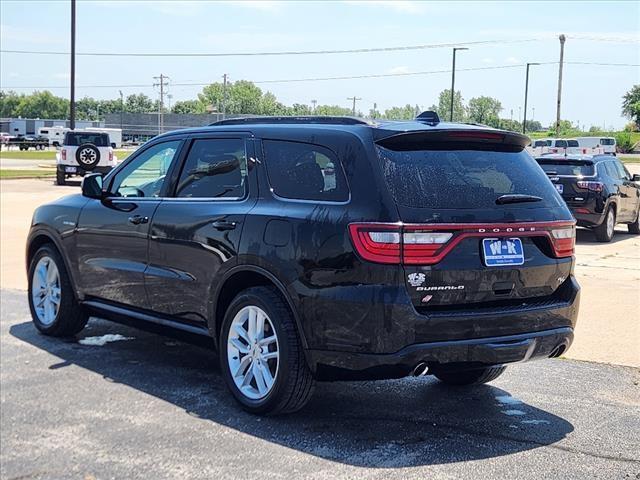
x=331 y=365
x=588 y=219
x=81 y=171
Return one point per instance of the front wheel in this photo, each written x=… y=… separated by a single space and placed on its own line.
x=604 y=231
x=469 y=377
x=261 y=356
x=53 y=306
x=635 y=226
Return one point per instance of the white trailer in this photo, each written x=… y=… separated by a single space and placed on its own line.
x=55 y=134
x=607 y=144
x=115 y=134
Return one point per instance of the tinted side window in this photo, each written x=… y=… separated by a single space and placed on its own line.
x=620 y=170
x=145 y=174
x=304 y=171
x=561 y=143
x=215 y=168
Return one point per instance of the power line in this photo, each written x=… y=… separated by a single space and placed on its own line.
x=320 y=79
x=264 y=54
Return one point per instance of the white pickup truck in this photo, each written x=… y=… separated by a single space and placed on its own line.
x=84 y=152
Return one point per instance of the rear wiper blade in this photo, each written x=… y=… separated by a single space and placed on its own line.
x=517 y=198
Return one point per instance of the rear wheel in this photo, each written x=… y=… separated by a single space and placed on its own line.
x=261 y=357
x=635 y=226
x=604 y=231
x=61 y=178
x=469 y=377
x=53 y=306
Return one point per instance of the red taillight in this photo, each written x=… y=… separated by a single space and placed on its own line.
x=63 y=154
x=428 y=244
x=593 y=186
x=111 y=155
x=378 y=243
x=563 y=241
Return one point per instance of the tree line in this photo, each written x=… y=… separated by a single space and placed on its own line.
x=244 y=97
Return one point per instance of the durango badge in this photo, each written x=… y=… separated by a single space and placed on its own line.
x=416 y=279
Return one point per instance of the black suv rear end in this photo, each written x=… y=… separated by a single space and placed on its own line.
x=326 y=248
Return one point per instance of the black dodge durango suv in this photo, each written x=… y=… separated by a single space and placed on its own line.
x=320 y=248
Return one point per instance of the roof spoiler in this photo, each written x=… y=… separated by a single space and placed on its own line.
x=428 y=116
x=418 y=139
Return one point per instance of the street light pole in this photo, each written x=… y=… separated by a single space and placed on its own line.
x=526 y=95
x=453 y=80
x=72 y=93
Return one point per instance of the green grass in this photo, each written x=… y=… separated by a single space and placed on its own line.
x=629 y=158
x=7 y=174
x=48 y=154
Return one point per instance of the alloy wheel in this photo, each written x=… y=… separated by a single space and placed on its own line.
x=45 y=290
x=252 y=352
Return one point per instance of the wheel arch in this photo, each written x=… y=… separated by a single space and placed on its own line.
x=240 y=278
x=42 y=237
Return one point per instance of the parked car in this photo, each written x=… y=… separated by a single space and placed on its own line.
x=24 y=143
x=84 y=152
x=598 y=189
x=429 y=247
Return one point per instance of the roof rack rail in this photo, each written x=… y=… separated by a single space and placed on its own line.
x=318 y=120
x=428 y=116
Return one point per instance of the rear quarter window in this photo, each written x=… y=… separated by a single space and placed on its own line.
x=304 y=171
x=463 y=179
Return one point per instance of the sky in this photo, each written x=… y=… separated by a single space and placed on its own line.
x=520 y=32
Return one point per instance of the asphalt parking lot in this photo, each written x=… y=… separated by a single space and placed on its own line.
x=154 y=406
x=152 y=403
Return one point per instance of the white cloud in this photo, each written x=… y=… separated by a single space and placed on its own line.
x=399 y=70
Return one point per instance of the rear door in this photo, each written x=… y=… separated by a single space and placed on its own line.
x=196 y=232
x=464 y=246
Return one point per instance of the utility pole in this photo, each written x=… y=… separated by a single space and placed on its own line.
x=562 y=40
x=453 y=80
x=314 y=103
x=533 y=114
x=163 y=80
x=355 y=99
x=224 y=96
x=526 y=94
x=121 y=107
x=72 y=94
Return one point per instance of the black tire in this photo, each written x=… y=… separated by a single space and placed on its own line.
x=88 y=156
x=469 y=377
x=71 y=318
x=293 y=383
x=61 y=178
x=635 y=226
x=602 y=232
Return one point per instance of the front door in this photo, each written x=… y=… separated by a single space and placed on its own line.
x=195 y=234
x=113 y=234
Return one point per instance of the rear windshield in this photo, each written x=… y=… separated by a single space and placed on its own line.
x=566 y=167
x=572 y=143
x=463 y=178
x=607 y=141
x=77 y=138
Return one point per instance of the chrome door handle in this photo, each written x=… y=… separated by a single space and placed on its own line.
x=138 y=219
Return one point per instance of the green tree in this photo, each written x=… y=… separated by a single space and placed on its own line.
x=407 y=112
x=9 y=102
x=140 y=103
x=334 y=110
x=631 y=104
x=42 y=105
x=485 y=110
x=188 y=107
x=241 y=97
x=444 y=106
x=269 y=105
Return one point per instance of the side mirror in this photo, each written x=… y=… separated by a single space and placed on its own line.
x=635 y=178
x=92 y=186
